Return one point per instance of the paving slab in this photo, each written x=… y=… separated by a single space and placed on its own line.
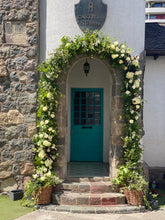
x=53 y=215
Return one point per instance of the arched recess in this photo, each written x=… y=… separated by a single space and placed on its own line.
x=101 y=75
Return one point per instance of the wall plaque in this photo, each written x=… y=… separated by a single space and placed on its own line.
x=90 y=14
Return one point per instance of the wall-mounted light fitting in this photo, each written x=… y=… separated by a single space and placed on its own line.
x=86 y=67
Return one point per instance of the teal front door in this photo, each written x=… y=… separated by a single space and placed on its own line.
x=87 y=125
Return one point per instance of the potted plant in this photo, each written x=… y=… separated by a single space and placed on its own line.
x=38 y=189
x=132 y=183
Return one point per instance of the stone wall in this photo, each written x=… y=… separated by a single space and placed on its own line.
x=19 y=24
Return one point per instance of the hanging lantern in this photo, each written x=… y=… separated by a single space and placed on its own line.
x=86 y=67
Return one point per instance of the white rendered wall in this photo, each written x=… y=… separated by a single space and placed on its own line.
x=125 y=21
x=154 y=112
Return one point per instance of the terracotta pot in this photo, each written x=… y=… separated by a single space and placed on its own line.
x=133 y=197
x=43 y=195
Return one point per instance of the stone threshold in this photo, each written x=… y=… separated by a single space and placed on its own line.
x=115 y=209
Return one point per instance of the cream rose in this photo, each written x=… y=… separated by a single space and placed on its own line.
x=135 y=62
x=131 y=121
x=46 y=122
x=120 y=61
x=46 y=143
x=136 y=100
x=42 y=154
x=114 y=56
x=52 y=116
x=129 y=75
x=116 y=43
x=42 y=178
x=139 y=72
x=127 y=92
x=45 y=108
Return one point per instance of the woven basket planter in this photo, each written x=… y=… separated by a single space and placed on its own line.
x=133 y=197
x=43 y=195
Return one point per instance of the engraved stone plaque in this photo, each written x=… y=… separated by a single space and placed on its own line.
x=90 y=14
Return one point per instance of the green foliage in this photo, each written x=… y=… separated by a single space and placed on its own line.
x=130 y=177
x=91 y=44
x=41 y=178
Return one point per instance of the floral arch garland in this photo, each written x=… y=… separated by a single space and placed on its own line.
x=118 y=55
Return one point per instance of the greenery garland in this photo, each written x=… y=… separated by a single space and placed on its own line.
x=118 y=55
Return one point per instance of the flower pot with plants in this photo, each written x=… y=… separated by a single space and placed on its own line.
x=38 y=189
x=132 y=184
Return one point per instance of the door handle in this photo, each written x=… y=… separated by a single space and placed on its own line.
x=86 y=127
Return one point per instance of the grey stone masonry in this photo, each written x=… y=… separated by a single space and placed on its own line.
x=19 y=53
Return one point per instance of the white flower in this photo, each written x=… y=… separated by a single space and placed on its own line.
x=46 y=143
x=116 y=43
x=125 y=68
x=136 y=100
x=136 y=84
x=130 y=81
x=45 y=169
x=42 y=154
x=45 y=108
x=52 y=116
x=133 y=134
x=120 y=61
x=135 y=62
x=112 y=46
x=114 y=56
x=50 y=129
x=140 y=89
x=137 y=106
x=46 y=122
x=35 y=176
x=49 y=95
x=41 y=123
x=131 y=121
x=139 y=72
x=136 y=117
x=132 y=111
x=123 y=46
x=122 y=55
x=48 y=163
x=41 y=135
x=127 y=59
x=53 y=147
x=42 y=178
x=117 y=49
x=129 y=75
x=122 y=51
x=46 y=135
x=127 y=92
x=48 y=174
x=129 y=51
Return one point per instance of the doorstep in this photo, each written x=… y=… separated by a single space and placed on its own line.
x=117 y=209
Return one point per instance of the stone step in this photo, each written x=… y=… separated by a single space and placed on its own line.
x=80 y=199
x=91 y=187
x=117 y=209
